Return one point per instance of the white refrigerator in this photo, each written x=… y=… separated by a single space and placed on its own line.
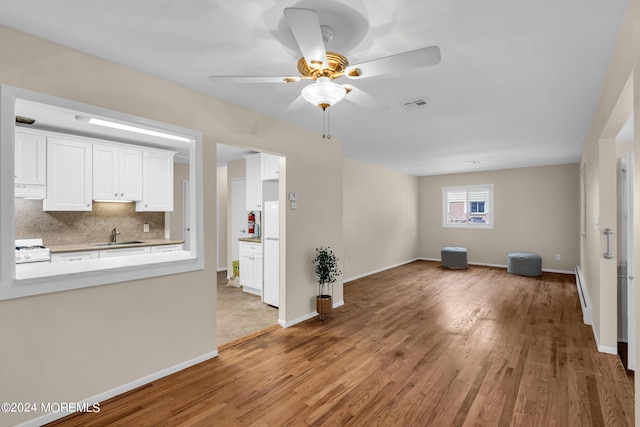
x=271 y=253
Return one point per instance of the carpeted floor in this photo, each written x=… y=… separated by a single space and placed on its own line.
x=240 y=313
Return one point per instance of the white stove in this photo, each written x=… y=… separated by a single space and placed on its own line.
x=31 y=250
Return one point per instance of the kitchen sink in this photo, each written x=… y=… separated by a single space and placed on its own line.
x=116 y=243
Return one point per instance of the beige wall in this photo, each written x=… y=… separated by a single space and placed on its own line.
x=75 y=344
x=535 y=210
x=619 y=97
x=380 y=221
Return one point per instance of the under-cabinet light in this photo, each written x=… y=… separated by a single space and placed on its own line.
x=114 y=201
x=115 y=125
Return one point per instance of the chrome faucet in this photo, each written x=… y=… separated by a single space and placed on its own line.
x=114 y=235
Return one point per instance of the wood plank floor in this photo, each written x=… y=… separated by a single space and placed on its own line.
x=413 y=346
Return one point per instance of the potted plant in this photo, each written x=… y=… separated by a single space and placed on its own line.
x=327 y=271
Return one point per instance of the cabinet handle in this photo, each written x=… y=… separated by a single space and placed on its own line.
x=116 y=194
x=121 y=194
x=88 y=204
x=75 y=259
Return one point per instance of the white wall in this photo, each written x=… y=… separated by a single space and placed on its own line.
x=535 y=210
x=76 y=344
x=380 y=222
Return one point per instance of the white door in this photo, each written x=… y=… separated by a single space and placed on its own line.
x=238 y=198
x=628 y=256
x=271 y=245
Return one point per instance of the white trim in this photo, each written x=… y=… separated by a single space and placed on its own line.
x=101 y=397
x=305 y=317
x=360 y=276
x=298 y=320
x=220 y=269
x=602 y=348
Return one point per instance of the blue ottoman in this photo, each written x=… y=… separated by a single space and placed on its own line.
x=524 y=264
x=453 y=257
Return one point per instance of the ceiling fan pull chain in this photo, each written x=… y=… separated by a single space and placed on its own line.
x=328 y=122
x=324 y=126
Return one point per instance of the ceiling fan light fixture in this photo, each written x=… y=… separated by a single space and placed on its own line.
x=323 y=93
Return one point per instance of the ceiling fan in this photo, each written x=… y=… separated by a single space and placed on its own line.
x=324 y=67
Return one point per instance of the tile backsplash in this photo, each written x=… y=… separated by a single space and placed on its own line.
x=66 y=228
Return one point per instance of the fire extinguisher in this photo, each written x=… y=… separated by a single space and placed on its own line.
x=252 y=222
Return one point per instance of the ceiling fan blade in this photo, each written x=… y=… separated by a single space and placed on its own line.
x=413 y=59
x=305 y=26
x=296 y=105
x=253 y=79
x=364 y=100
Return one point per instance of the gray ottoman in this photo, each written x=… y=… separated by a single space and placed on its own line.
x=524 y=264
x=453 y=257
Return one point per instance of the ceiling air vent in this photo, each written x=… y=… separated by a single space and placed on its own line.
x=415 y=104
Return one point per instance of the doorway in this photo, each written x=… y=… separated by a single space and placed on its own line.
x=241 y=310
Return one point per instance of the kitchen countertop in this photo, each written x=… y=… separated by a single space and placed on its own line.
x=250 y=239
x=93 y=247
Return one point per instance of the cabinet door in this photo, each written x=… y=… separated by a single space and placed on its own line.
x=130 y=174
x=157 y=182
x=105 y=172
x=69 y=175
x=270 y=167
x=254 y=182
x=31 y=158
x=246 y=268
x=257 y=270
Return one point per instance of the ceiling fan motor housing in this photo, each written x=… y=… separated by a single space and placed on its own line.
x=337 y=65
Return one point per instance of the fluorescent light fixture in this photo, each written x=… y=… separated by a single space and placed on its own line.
x=129 y=128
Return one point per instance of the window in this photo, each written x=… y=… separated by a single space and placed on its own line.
x=468 y=206
x=44 y=277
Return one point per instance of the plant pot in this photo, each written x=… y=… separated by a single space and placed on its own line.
x=324 y=306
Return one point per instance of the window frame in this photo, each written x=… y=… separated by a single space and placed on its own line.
x=489 y=208
x=52 y=278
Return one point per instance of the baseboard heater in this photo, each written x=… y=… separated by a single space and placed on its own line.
x=585 y=301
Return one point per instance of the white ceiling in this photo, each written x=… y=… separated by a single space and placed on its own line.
x=517 y=85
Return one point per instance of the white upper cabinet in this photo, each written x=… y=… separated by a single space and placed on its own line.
x=254 y=182
x=270 y=167
x=30 y=165
x=69 y=175
x=117 y=173
x=157 y=182
x=31 y=159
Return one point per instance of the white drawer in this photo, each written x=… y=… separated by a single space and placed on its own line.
x=74 y=256
x=124 y=252
x=166 y=248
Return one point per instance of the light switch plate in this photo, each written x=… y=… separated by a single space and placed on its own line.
x=293 y=197
x=145 y=228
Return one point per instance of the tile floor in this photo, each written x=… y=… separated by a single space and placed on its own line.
x=239 y=313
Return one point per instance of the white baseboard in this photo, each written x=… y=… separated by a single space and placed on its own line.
x=306 y=316
x=360 y=276
x=486 y=264
x=603 y=348
x=101 y=397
